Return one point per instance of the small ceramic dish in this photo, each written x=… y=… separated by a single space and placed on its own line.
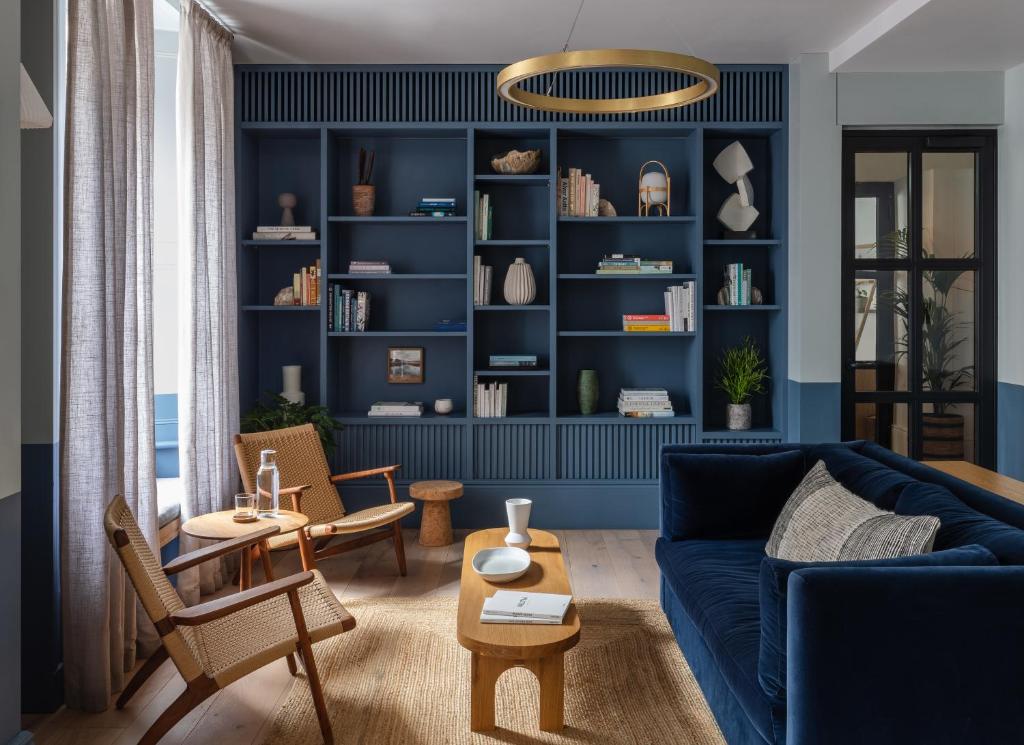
x=502 y=564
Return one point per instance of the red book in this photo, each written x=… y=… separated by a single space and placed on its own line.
x=638 y=317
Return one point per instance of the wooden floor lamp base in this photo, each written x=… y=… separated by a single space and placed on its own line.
x=550 y=672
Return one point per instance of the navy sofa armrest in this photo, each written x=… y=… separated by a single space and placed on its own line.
x=894 y=656
x=726 y=491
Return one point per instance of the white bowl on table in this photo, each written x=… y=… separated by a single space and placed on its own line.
x=502 y=564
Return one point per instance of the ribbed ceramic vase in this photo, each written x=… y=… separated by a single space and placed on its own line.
x=520 y=286
x=587 y=391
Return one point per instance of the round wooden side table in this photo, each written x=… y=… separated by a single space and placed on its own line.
x=436 y=523
x=218 y=526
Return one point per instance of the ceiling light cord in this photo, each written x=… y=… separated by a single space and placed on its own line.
x=565 y=47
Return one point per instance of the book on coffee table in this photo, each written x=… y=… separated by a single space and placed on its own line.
x=510 y=606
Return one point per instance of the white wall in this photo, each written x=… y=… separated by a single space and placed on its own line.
x=946 y=99
x=1010 y=309
x=165 y=218
x=815 y=190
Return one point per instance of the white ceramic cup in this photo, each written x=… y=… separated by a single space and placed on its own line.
x=518 y=511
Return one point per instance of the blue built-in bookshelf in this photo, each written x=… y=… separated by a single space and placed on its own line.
x=434 y=131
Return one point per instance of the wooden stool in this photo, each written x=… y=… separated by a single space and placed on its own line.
x=436 y=523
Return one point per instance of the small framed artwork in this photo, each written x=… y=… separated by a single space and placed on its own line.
x=405 y=364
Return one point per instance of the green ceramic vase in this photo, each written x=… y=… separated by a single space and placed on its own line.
x=586 y=391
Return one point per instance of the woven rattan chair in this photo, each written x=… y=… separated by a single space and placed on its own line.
x=216 y=643
x=307 y=481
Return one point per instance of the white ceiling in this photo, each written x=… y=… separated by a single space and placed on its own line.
x=867 y=34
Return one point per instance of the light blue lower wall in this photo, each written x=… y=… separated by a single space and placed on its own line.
x=1010 y=430
x=165 y=407
x=814 y=412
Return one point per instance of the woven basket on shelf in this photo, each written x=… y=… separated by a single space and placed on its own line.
x=516 y=162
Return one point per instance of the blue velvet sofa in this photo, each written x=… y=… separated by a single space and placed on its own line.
x=921 y=650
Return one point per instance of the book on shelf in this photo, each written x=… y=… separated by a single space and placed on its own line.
x=483 y=216
x=490 y=400
x=450 y=326
x=306 y=285
x=348 y=310
x=737 y=283
x=627 y=264
x=512 y=360
x=284 y=233
x=649 y=322
x=511 y=606
x=396 y=408
x=482 y=278
x=434 y=207
x=369 y=267
x=645 y=402
x=578 y=194
x=681 y=308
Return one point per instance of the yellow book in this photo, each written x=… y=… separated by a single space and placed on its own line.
x=646 y=327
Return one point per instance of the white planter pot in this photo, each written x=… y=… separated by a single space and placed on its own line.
x=737 y=416
x=520 y=286
x=518 y=511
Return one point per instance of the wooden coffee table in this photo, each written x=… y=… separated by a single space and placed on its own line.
x=497 y=647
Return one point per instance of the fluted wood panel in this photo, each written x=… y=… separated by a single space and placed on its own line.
x=339 y=94
x=616 y=452
x=424 y=451
x=511 y=451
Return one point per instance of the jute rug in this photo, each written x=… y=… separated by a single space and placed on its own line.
x=400 y=677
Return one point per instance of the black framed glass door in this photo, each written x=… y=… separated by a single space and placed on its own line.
x=918 y=292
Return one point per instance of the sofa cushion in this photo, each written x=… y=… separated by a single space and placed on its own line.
x=708 y=495
x=865 y=477
x=961 y=525
x=824 y=521
x=717 y=584
x=773 y=586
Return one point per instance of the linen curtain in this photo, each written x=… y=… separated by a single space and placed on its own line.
x=207 y=351
x=106 y=413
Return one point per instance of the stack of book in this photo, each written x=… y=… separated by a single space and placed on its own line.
x=578 y=195
x=347 y=310
x=482 y=276
x=645 y=402
x=484 y=216
x=513 y=361
x=369 y=267
x=396 y=408
x=737 y=283
x=627 y=264
x=434 y=207
x=489 y=399
x=680 y=306
x=306 y=285
x=646 y=322
x=284 y=233
x=449 y=326
x=512 y=606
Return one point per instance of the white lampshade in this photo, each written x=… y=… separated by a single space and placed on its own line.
x=656 y=191
x=733 y=163
x=34 y=114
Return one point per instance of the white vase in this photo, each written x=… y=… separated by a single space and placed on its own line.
x=518 y=511
x=520 y=286
x=292 y=375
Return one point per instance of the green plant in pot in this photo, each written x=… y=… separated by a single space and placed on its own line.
x=742 y=374
x=277 y=412
x=945 y=346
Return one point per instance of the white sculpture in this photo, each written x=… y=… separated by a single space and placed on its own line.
x=737 y=213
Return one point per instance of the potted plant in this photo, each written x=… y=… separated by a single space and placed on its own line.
x=742 y=373
x=278 y=412
x=943 y=336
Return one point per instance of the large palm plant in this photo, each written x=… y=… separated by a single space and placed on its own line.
x=942 y=329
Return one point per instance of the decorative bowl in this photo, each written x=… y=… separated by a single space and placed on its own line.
x=516 y=162
x=502 y=564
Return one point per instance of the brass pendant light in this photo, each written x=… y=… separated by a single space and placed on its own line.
x=510 y=78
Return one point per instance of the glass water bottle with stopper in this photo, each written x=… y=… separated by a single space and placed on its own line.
x=268 y=484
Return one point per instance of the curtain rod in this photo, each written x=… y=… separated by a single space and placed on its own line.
x=211 y=13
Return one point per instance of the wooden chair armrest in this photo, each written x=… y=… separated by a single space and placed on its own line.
x=383 y=471
x=191 y=559
x=295 y=492
x=225 y=606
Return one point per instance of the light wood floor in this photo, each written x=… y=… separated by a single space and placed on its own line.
x=602 y=563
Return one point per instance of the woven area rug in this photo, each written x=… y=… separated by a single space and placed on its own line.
x=401 y=677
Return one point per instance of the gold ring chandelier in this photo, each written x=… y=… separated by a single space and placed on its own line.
x=510 y=78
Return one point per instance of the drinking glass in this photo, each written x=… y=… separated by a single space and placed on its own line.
x=245 y=505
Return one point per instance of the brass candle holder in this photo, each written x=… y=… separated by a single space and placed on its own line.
x=654 y=189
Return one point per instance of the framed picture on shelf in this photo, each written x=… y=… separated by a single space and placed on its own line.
x=405 y=364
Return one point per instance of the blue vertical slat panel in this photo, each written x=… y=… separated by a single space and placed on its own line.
x=615 y=452
x=742 y=440
x=424 y=451
x=503 y=452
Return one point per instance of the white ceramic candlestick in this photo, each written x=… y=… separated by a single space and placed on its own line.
x=292 y=375
x=518 y=521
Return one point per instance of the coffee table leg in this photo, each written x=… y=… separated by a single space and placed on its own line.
x=550 y=672
x=484 y=674
x=245 y=570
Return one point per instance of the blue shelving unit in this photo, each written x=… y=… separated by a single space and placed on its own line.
x=434 y=131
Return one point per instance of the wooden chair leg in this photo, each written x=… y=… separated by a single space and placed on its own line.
x=148 y=668
x=195 y=693
x=399 y=546
x=306 y=652
x=268 y=576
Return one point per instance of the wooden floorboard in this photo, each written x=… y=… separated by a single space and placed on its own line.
x=601 y=563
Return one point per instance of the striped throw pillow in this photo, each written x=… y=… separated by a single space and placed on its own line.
x=824 y=521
